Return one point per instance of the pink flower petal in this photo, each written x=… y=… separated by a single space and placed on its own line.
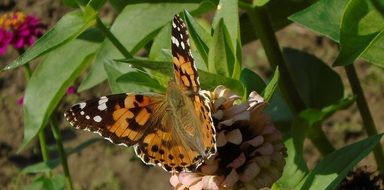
x=71 y=90
x=257 y=141
x=212 y=182
x=3 y=50
x=234 y=136
x=250 y=172
x=265 y=149
x=188 y=179
x=20 y=101
x=231 y=179
x=239 y=161
x=197 y=186
x=221 y=140
x=174 y=180
x=19 y=43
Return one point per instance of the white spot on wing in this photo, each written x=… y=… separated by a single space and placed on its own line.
x=173 y=25
x=87 y=117
x=82 y=113
x=97 y=118
x=181 y=36
x=182 y=45
x=102 y=103
x=82 y=105
x=175 y=41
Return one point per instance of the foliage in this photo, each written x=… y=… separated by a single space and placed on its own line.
x=99 y=53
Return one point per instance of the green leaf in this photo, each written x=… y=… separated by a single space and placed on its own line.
x=208 y=80
x=130 y=31
x=272 y=85
x=114 y=71
x=160 y=42
x=362 y=28
x=164 y=67
x=318 y=85
x=221 y=58
x=228 y=12
x=41 y=166
x=323 y=17
x=259 y=3
x=335 y=166
x=56 y=182
x=199 y=36
x=252 y=81
x=95 y=4
x=379 y=5
x=279 y=111
x=295 y=167
x=141 y=79
x=315 y=117
x=50 y=81
x=65 y=30
x=357 y=23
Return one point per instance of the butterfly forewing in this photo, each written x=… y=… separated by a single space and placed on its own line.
x=121 y=118
x=183 y=63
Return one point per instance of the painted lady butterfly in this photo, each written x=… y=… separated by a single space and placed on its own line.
x=173 y=130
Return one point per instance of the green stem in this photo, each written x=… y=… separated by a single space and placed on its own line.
x=41 y=134
x=365 y=113
x=263 y=29
x=60 y=148
x=101 y=26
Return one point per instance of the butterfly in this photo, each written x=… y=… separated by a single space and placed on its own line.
x=173 y=130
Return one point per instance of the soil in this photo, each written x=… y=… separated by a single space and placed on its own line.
x=106 y=166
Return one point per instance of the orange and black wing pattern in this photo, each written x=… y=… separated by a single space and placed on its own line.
x=183 y=63
x=122 y=118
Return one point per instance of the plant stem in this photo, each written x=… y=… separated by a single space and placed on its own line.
x=60 y=148
x=101 y=26
x=41 y=134
x=365 y=113
x=263 y=29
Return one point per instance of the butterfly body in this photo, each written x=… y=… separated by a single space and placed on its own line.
x=173 y=130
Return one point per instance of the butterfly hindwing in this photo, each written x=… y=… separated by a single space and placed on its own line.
x=121 y=118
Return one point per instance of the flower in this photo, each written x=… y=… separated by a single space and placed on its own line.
x=362 y=178
x=20 y=101
x=250 y=148
x=27 y=33
x=5 y=40
x=22 y=30
x=71 y=90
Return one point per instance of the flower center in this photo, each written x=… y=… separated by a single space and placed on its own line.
x=12 y=21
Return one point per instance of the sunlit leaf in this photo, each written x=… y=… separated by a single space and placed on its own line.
x=362 y=29
x=272 y=85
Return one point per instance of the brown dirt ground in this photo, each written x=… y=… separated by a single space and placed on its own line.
x=106 y=166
